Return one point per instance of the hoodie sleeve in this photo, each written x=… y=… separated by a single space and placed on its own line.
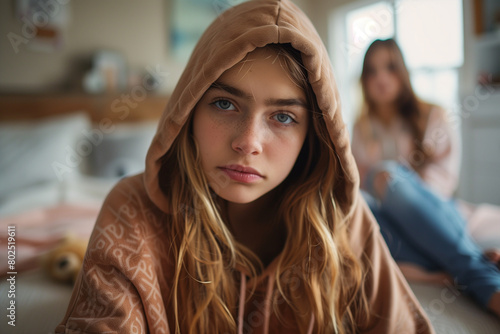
x=442 y=144
x=393 y=307
x=117 y=275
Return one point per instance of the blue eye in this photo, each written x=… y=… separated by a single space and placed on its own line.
x=224 y=105
x=284 y=118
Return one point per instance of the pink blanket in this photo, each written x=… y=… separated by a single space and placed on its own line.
x=39 y=230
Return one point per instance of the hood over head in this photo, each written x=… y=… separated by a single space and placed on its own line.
x=236 y=32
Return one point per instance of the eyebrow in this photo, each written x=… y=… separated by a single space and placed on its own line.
x=286 y=102
x=270 y=102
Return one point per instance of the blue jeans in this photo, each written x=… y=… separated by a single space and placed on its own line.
x=423 y=228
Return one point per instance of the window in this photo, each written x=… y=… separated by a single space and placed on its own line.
x=429 y=32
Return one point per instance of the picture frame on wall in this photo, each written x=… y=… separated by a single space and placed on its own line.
x=189 y=19
x=44 y=23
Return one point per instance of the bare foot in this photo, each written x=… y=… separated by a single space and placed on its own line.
x=493 y=255
x=494 y=303
x=415 y=273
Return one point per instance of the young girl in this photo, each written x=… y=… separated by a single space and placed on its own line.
x=408 y=161
x=248 y=217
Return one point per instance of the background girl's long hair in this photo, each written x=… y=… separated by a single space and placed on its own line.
x=317 y=271
x=411 y=110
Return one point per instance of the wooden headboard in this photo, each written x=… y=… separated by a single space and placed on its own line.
x=120 y=108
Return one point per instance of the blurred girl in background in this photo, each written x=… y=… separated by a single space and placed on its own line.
x=408 y=158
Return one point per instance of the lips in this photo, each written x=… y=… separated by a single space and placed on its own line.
x=241 y=173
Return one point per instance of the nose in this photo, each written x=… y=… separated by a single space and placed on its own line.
x=248 y=137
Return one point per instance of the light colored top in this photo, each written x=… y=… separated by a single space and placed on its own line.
x=375 y=142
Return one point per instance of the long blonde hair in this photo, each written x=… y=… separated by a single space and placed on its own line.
x=317 y=258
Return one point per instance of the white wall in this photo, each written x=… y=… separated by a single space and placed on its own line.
x=139 y=29
x=136 y=28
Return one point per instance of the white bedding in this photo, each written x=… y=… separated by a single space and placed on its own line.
x=79 y=189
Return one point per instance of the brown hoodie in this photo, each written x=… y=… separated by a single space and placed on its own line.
x=125 y=283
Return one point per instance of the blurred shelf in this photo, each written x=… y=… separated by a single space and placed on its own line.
x=121 y=108
x=488 y=39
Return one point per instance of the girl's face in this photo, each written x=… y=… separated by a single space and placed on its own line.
x=250 y=126
x=382 y=83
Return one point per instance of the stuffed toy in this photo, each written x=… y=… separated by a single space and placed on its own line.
x=64 y=262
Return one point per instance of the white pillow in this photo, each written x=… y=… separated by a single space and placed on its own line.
x=123 y=151
x=34 y=152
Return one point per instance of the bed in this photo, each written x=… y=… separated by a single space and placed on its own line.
x=60 y=158
x=54 y=184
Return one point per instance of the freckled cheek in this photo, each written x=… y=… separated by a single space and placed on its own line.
x=210 y=134
x=286 y=149
x=219 y=131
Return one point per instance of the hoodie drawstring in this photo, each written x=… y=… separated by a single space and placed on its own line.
x=311 y=325
x=267 y=305
x=241 y=311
